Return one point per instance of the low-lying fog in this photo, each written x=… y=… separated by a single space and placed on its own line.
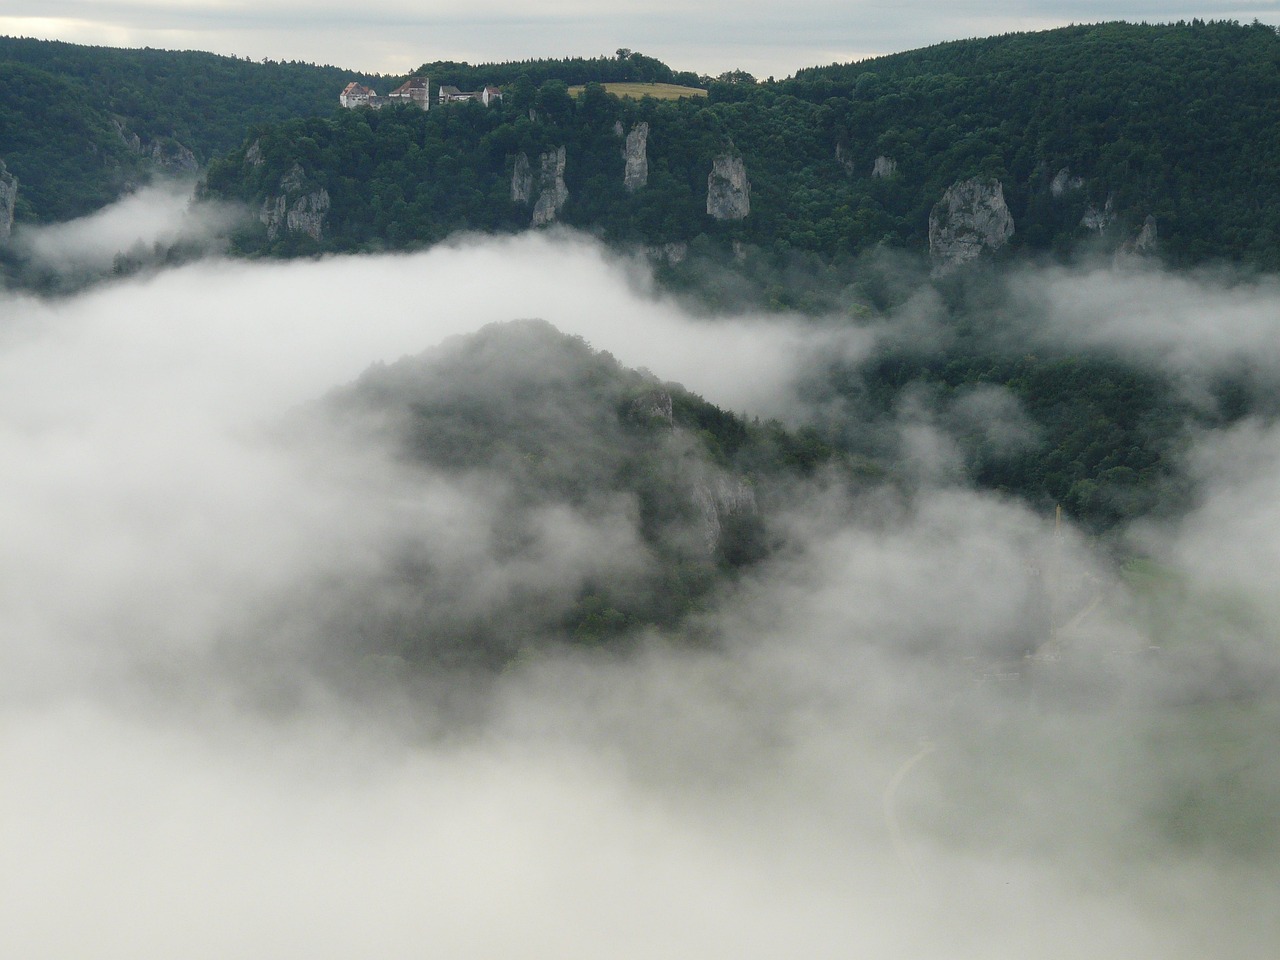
x=845 y=769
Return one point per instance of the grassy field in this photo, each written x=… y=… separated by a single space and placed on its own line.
x=661 y=91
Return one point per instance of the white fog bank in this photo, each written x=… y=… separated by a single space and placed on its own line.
x=844 y=768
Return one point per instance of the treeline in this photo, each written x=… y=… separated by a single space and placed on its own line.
x=626 y=66
x=68 y=114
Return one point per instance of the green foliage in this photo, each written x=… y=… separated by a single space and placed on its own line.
x=1176 y=122
x=68 y=113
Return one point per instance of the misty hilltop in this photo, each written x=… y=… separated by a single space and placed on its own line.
x=612 y=501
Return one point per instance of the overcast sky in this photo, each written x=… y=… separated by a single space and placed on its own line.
x=395 y=36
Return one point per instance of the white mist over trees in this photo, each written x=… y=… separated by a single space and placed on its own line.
x=830 y=755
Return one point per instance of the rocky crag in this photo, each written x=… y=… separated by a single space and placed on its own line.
x=970 y=218
x=728 y=189
x=295 y=209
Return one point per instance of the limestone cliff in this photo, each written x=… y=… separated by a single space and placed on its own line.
x=970 y=217
x=728 y=190
x=635 y=173
x=1064 y=182
x=295 y=209
x=1145 y=243
x=552 y=193
x=718 y=500
x=522 y=180
x=884 y=167
x=1098 y=220
x=168 y=153
x=8 y=197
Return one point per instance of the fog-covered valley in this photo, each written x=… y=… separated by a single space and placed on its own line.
x=930 y=717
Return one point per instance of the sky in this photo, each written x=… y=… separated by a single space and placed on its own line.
x=396 y=36
x=178 y=777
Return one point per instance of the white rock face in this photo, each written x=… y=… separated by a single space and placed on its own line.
x=552 y=193
x=718 y=499
x=294 y=210
x=970 y=217
x=522 y=180
x=884 y=167
x=635 y=154
x=728 y=189
x=1098 y=220
x=173 y=156
x=1144 y=244
x=8 y=197
x=1064 y=182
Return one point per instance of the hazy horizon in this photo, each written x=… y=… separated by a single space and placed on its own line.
x=395 y=37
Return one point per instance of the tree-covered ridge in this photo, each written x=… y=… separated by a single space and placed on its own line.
x=1175 y=121
x=625 y=66
x=69 y=113
x=553 y=427
x=1089 y=130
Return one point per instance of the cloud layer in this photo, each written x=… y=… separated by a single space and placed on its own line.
x=854 y=757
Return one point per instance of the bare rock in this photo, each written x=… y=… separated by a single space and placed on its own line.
x=1064 y=182
x=635 y=153
x=1145 y=244
x=728 y=189
x=971 y=217
x=653 y=407
x=522 y=180
x=1098 y=220
x=552 y=193
x=295 y=209
x=884 y=167
x=8 y=197
x=717 y=500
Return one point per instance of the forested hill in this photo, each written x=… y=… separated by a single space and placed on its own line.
x=69 y=115
x=1089 y=132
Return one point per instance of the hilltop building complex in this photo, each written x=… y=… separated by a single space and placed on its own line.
x=414 y=90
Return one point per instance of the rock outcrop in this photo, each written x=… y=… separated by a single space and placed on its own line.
x=728 y=190
x=552 y=193
x=253 y=156
x=172 y=156
x=971 y=217
x=884 y=167
x=295 y=209
x=655 y=406
x=522 y=180
x=1064 y=182
x=8 y=197
x=169 y=155
x=635 y=173
x=718 y=500
x=1098 y=220
x=1145 y=243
